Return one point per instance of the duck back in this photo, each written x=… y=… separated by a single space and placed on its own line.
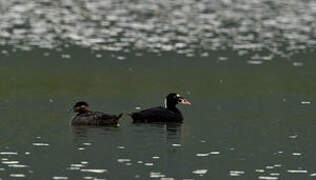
x=95 y=118
x=157 y=114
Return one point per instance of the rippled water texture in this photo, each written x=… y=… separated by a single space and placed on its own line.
x=246 y=121
x=192 y=28
x=247 y=66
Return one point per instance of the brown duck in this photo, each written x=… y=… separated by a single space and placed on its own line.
x=85 y=116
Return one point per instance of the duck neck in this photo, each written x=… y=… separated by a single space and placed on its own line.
x=83 y=111
x=172 y=107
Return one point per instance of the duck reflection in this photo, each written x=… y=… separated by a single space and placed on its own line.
x=172 y=132
x=85 y=132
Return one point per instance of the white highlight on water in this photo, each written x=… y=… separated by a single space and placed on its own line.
x=60 y=177
x=156 y=175
x=149 y=164
x=77 y=165
x=202 y=154
x=8 y=153
x=94 y=170
x=120 y=147
x=293 y=136
x=10 y=162
x=298 y=64
x=215 y=153
x=236 y=173
x=275 y=174
x=17 y=175
x=40 y=144
x=87 y=177
x=200 y=172
x=74 y=168
x=296 y=154
x=254 y=62
x=297 y=171
x=123 y=160
x=207 y=154
x=17 y=165
x=268 y=178
x=306 y=102
x=259 y=170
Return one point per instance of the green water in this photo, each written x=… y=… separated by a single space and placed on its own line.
x=244 y=117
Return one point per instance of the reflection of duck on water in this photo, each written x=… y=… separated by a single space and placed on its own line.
x=87 y=117
x=85 y=131
x=175 y=133
x=170 y=113
x=173 y=127
x=171 y=132
x=84 y=136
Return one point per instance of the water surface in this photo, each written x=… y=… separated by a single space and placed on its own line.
x=246 y=121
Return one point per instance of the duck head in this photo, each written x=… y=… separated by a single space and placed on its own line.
x=173 y=99
x=81 y=107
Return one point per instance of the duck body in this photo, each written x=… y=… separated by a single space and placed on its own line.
x=157 y=114
x=169 y=113
x=93 y=118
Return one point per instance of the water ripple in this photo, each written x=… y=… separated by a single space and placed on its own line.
x=188 y=27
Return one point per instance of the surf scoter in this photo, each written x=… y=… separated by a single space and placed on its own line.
x=87 y=117
x=169 y=113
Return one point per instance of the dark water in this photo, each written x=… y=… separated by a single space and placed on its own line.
x=247 y=67
x=246 y=121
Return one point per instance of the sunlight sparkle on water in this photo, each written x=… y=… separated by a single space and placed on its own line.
x=123 y=160
x=94 y=170
x=8 y=153
x=156 y=175
x=236 y=173
x=17 y=175
x=200 y=172
x=59 y=178
x=297 y=171
x=268 y=178
x=40 y=144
